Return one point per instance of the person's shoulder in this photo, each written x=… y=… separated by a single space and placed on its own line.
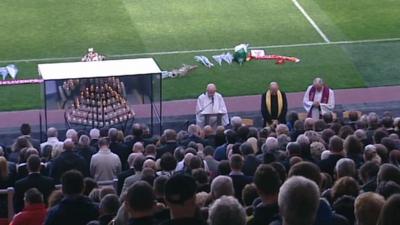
x=21 y=182
x=202 y=95
x=218 y=95
x=115 y=156
x=47 y=179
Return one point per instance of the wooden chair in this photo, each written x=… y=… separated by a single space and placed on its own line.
x=248 y=122
x=346 y=114
x=302 y=116
x=10 y=205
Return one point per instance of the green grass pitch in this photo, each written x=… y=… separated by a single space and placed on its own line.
x=47 y=29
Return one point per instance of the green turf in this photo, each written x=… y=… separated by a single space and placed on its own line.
x=57 y=28
x=355 y=20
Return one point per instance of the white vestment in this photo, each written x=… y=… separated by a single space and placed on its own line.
x=324 y=107
x=206 y=105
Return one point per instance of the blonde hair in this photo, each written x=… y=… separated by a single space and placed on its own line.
x=3 y=168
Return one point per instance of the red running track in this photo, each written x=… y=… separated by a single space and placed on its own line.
x=234 y=104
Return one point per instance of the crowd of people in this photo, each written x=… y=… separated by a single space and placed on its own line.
x=302 y=172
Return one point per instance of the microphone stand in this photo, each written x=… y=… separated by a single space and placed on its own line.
x=202 y=109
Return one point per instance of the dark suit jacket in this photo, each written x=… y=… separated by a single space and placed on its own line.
x=328 y=165
x=34 y=180
x=86 y=153
x=267 y=116
x=123 y=151
x=239 y=181
x=72 y=210
x=168 y=147
x=250 y=165
x=67 y=160
x=22 y=170
x=121 y=178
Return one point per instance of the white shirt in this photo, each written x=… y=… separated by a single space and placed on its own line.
x=52 y=141
x=206 y=105
x=325 y=107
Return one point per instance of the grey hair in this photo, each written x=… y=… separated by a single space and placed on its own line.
x=193 y=129
x=303 y=140
x=360 y=134
x=138 y=145
x=226 y=210
x=71 y=133
x=282 y=129
x=295 y=208
x=316 y=149
x=84 y=140
x=370 y=148
x=271 y=145
x=94 y=133
x=52 y=132
x=112 y=132
x=222 y=185
x=345 y=167
x=318 y=80
x=236 y=121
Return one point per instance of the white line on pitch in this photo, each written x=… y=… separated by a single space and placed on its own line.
x=311 y=21
x=209 y=50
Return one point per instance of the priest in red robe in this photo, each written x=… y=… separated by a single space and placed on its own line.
x=318 y=99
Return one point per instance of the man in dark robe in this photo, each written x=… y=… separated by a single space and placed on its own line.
x=274 y=105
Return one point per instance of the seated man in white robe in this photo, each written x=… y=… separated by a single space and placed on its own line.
x=318 y=99
x=209 y=105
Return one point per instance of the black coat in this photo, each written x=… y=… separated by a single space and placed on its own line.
x=239 y=181
x=67 y=160
x=267 y=116
x=22 y=170
x=168 y=147
x=86 y=153
x=123 y=151
x=34 y=180
x=250 y=165
x=77 y=211
x=265 y=214
x=328 y=165
x=121 y=178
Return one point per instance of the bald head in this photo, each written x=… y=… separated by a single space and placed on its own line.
x=52 y=132
x=68 y=145
x=273 y=87
x=211 y=89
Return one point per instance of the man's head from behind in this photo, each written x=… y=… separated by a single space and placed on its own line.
x=367 y=207
x=72 y=182
x=236 y=162
x=306 y=169
x=267 y=181
x=140 y=200
x=33 y=196
x=33 y=163
x=180 y=195
x=109 y=204
x=298 y=201
x=25 y=129
x=52 y=132
x=222 y=185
